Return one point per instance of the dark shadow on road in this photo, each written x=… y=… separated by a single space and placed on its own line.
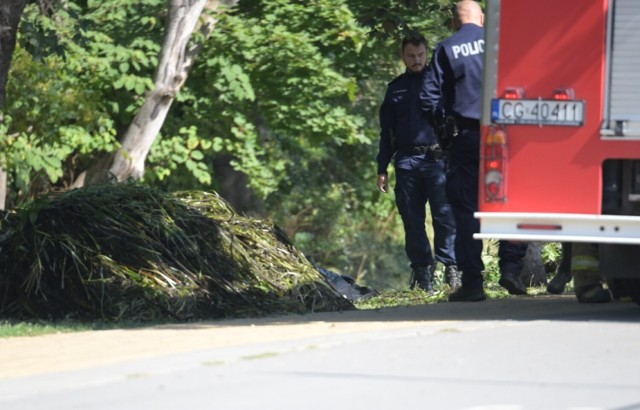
x=521 y=308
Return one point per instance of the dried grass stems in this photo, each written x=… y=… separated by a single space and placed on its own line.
x=127 y=252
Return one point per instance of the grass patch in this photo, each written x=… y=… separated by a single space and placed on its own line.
x=22 y=329
x=15 y=328
x=396 y=298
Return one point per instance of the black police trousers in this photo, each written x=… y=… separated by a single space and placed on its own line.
x=413 y=189
x=462 y=190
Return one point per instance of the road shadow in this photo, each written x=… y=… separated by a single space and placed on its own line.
x=520 y=308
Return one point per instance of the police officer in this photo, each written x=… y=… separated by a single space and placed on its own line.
x=451 y=99
x=420 y=170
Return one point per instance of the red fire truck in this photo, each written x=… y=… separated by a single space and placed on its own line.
x=560 y=156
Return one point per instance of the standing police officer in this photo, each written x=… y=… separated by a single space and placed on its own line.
x=420 y=170
x=451 y=99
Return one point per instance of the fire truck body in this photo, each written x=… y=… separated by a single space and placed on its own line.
x=560 y=156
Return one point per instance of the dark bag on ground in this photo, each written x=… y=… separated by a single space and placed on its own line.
x=347 y=287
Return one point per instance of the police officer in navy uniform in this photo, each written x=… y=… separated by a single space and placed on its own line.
x=451 y=99
x=420 y=170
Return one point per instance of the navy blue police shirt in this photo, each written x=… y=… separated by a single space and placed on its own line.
x=403 y=125
x=454 y=83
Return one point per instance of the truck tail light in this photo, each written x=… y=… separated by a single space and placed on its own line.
x=564 y=94
x=494 y=162
x=513 y=93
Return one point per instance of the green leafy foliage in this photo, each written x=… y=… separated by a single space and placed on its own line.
x=53 y=119
x=71 y=85
x=186 y=150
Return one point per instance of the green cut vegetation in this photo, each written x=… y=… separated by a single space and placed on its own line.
x=130 y=253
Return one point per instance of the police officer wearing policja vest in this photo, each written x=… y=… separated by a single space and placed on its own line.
x=419 y=168
x=451 y=99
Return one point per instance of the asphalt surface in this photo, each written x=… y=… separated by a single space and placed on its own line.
x=548 y=352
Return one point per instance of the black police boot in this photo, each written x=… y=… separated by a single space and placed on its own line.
x=467 y=295
x=563 y=275
x=452 y=277
x=512 y=283
x=557 y=284
x=423 y=278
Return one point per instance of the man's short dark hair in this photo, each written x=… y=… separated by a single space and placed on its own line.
x=415 y=38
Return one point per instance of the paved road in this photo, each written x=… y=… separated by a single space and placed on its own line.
x=545 y=352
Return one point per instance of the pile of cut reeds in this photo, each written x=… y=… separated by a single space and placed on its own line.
x=127 y=252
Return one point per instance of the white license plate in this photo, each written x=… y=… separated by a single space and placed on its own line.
x=538 y=112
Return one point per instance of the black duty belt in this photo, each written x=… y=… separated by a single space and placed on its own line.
x=419 y=149
x=433 y=151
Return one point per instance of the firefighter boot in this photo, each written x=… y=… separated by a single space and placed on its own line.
x=452 y=277
x=587 y=282
x=422 y=277
x=588 y=287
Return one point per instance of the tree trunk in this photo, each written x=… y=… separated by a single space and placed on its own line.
x=176 y=60
x=233 y=186
x=10 y=13
x=533 y=272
